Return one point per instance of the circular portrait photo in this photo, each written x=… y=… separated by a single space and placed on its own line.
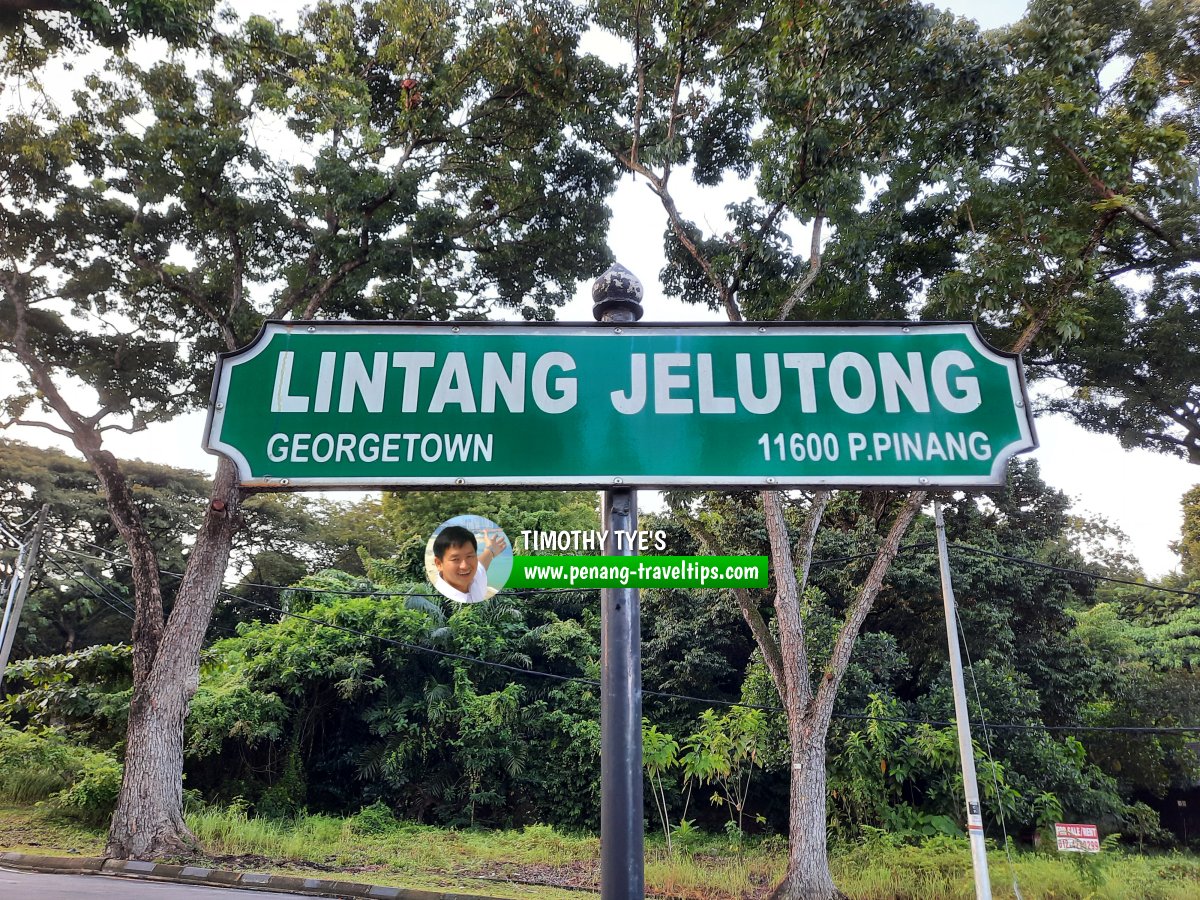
x=468 y=559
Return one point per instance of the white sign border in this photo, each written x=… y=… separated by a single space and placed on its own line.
x=227 y=361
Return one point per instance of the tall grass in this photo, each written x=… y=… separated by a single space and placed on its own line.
x=940 y=870
x=418 y=855
x=406 y=847
x=41 y=764
x=943 y=872
x=36 y=764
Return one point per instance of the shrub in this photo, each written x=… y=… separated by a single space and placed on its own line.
x=377 y=818
x=35 y=764
x=40 y=764
x=93 y=796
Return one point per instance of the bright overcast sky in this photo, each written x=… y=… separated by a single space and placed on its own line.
x=1138 y=491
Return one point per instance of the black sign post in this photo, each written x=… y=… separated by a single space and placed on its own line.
x=617 y=295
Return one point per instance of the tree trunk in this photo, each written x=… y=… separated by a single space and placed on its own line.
x=807 y=876
x=148 y=821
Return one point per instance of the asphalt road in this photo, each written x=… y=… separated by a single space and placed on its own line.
x=38 y=886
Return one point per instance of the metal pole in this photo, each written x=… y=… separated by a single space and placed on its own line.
x=983 y=885
x=11 y=592
x=617 y=295
x=25 y=575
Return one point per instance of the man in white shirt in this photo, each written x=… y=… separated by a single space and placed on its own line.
x=462 y=569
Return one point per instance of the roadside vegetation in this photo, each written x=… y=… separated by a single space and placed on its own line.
x=539 y=862
x=284 y=660
x=348 y=722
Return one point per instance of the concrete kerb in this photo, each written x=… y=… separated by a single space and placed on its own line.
x=254 y=881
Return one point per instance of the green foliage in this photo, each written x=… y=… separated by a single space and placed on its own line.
x=721 y=753
x=42 y=764
x=1188 y=546
x=31 y=33
x=897 y=783
x=427 y=735
x=377 y=818
x=85 y=693
x=93 y=795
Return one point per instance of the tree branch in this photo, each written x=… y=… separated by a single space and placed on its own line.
x=237 y=289
x=678 y=226
x=641 y=84
x=314 y=303
x=767 y=645
x=30 y=423
x=127 y=429
x=748 y=254
x=814 y=268
x=839 y=659
x=1105 y=192
x=1042 y=316
x=192 y=295
x=788 y=589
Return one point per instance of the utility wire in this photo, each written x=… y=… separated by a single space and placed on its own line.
x=1032 y=563
x=668 y=695
x=87 y=588
x=101 y=585
x=1073 y=729
x=375 y=592
x=907 y=548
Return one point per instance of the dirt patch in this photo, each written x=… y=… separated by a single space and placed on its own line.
x=252 y=862
x=580 y=875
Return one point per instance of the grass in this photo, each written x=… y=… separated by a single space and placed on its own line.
x=26 y=829
x=943 y=872
x=541 y=863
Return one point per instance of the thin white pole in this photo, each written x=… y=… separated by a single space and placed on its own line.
x=983 y=884
x=18 y=602
x=14 y=584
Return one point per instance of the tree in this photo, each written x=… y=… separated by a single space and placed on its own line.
x=1188 y=546
x=82 y=594
x=147 y=227
x=1114 y=157
x=937 y=171
x=839 y=88
x=31 y=31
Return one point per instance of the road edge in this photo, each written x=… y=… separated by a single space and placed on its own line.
x=258 y=881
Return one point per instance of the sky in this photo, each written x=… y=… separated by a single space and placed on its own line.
x=1138 y=491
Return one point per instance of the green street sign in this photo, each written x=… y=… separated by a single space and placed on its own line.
x=379 y=404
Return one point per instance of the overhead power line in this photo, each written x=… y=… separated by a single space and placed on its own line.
x=906 y=548
x=1012 y=726
x=1034 y=564
x=127 y=612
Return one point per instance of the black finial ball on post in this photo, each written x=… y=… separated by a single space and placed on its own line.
x=617 y=296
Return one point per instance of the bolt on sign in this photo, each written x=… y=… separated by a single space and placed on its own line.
x=376 y=404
